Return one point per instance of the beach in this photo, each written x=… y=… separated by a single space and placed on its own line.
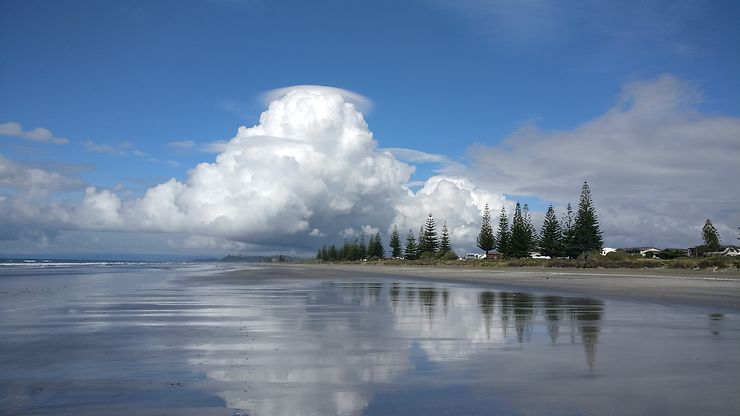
x=295 y=339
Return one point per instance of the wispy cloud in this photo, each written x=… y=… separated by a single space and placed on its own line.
x=123 y=149
x=38 y=134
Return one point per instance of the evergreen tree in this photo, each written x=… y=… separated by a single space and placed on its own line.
x=395 y=243
x=503 y=236
x=486 y=240
x=411 y=247
x=444 y=241
x=551 y=236
x=362 y=248
x=586 y=234
x=567 y=228
x=420 y=244
x=430 y=241
x=531 y=231
x=520 y=239
x=710 y=236
x=375 y=247
x=332 y=253
x=324 y=253
x=380 y=250
x=318 y=255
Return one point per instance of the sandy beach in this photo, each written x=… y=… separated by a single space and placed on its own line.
x=691 y=287
x=294 y=339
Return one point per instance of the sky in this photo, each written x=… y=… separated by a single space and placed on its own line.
x=140 y=129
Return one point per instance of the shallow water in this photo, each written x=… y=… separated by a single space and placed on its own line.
x=143 y=340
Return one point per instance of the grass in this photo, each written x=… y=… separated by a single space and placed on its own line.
x=601 y=262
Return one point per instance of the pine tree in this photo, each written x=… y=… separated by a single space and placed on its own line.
x=520 y=239
x=486 y=241
x=586 y=233
x=551 y=236
x=411 y=247
x=421 y=244
x=568 y=224
x=503 y=236
x=362 y=248
x=444 y=241
x=710 y=236
x=375 y=247
x=332 y=253
x=531 y=232
x=318 y=255
x=430 y=241
x=395 y=243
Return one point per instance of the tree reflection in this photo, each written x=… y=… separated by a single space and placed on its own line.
x=486 y=301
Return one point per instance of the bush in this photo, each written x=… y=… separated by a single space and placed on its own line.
x=427 y=255
x=449 y=256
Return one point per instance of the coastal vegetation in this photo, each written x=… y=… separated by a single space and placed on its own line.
x=573 y=241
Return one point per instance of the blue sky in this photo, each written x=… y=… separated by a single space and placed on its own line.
x=124 y=80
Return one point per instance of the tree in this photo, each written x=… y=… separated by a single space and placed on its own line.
x=395 y=243
x=362 y=248
x=420 y=244
x=486 y=241
x=332 y=253
x=375 y=247
x=430 y=242
x=503 y=235
x=586 y=234
x=710 y=236
x=567 y=241
x=318 y=255
x=444 y=241
x=531 y=232
x=551 y=236
x=411 y=248
x=520 y=237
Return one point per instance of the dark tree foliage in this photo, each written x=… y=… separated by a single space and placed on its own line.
x=395 y=243
x=710 y=236
x=363 y=247
x=318 y=255
x=567 y=229
x=375 y=247
x=520 y=237
x=585 y=234
x=486 y=240
x=444 y=241
x=411 y=248
x=332 y=253
x=551 y=237
x=430 y=242
x=420 y=244
x=503 y=236
x=531 y=231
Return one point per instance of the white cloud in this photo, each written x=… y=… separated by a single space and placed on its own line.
x=310 y=164
x=657 y=166
x=39 y=134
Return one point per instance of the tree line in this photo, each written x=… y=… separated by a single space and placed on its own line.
x=576 y=233
x=427 y=244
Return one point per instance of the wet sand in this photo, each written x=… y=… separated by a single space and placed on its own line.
x=368 y=340
x=690 y=287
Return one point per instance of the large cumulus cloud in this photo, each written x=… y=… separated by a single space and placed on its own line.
x=309 y=169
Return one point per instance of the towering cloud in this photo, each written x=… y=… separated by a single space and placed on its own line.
x=310 y=168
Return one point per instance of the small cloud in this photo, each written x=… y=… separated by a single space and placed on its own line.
x=214 y=147
x=104 y=148
x=360 y=102
x=316 y=233
x=39 y=134
x=180 y=145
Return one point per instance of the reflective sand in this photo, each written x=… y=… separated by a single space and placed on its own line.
x=294 y=342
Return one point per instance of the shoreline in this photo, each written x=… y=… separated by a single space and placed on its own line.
x=703 y=288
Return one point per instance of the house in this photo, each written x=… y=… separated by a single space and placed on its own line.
x=728 y=251
x=607 y=250
x=652 y=250
x=494 y=255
